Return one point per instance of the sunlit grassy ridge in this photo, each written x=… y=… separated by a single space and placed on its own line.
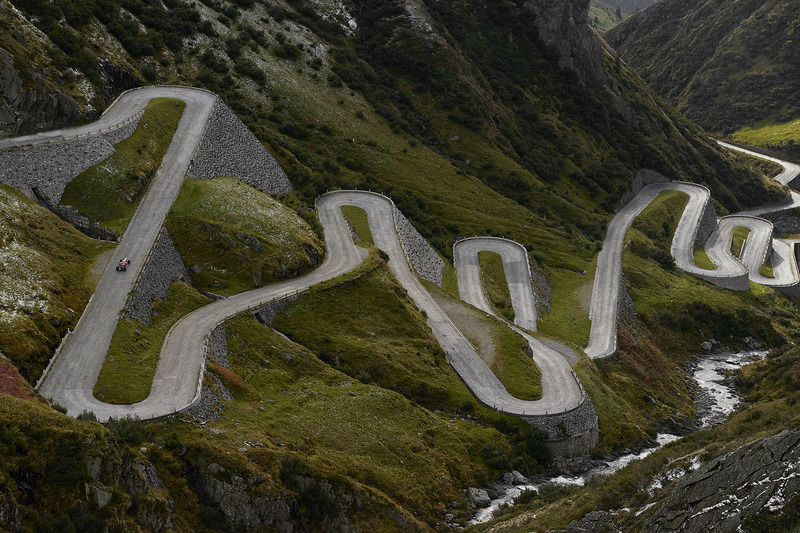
x=44 y=280
x=211 y=224
x=110 y=191
x=127 y=372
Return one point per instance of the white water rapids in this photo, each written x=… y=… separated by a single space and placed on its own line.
x=718 y=400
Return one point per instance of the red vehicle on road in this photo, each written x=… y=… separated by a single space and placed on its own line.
x=123 y=265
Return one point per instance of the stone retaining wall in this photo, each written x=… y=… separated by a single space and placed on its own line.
x=49 y=167
x=164 y=265
x=639 y=182
x=230 y=149
x=426 y=262
x=267 y=312
x=217 y=346
x=572 y=435
x=542 y=292
x=708 y=223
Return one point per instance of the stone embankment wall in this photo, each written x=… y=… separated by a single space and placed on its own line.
x=164 y=265
x=230 y=149
x=639 y=182
x=267 y=312
x=50 y=166
x=571 y=435
x=427 y=263
x=541 y=290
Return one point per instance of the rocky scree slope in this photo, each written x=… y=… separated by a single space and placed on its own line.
x=723 y=64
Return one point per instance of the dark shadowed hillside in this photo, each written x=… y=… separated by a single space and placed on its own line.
x=724 y=64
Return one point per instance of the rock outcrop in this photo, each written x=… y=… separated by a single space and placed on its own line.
x=724 y=493
x=24 y=109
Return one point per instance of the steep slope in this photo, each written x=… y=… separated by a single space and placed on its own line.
x=724 y=64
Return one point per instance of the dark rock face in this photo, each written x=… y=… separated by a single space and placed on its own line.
x=242 y=502
x=564 y=27
x=24 y=110
x=593 y=522
x=732 y=488
x=116 y=80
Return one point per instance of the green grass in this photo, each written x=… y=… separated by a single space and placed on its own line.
x=368 y=338
x=45 y=280
x=702 y=260
x=494 y=282
x=740 y=234
x=450 y=280
x=127 y=373
x=769 y=134
x=109 y=192
x=208 y=221
x=568 y=319
x=766 y=269
x=357 y=218
x=503 y=350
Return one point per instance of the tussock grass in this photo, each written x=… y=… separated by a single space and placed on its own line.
x=702 y=260
x=45 y=280
x=127 y=373
x=110 y=191
x=357 y=218
x=210 y=222
x=494 y=282
x=740 y=234
x=769 y=134
x=501 y=348
x=766 y=269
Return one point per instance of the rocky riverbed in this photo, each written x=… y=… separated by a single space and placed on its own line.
x=715 y=399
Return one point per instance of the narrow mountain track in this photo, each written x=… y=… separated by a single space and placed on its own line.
x=71 y=376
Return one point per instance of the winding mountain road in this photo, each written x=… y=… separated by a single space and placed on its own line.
x=71 y=376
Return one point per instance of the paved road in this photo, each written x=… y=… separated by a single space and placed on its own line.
x=557 y=378
x=81 y=358
x=515 y=267
x=72 y=375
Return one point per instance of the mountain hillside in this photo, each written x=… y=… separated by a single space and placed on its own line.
x=336 y=409
x=724 y=64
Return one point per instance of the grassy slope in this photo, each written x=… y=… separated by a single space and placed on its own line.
x=494 y=282
x=498 y=345
x=207 y=218
x=127 y=373
x=44 y=280
x=602 y=17
x=783 y=137
x=357 y=218
x=110 y=191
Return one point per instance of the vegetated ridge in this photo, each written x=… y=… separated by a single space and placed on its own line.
x=429 y=102
x=724 y=64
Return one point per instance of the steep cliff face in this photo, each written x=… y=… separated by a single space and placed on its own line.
x=748 y=487
x=724 y=64
x=564 y=27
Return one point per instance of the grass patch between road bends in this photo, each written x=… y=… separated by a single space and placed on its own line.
x=129 y=367
x=495 y=284
x=500 y=347
x=766 y=269
x=45 y=280
x=358 y=220
x=236 y=238
x=740 y=234
x=110 y=191
x=783 y=136
x=702 y=260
